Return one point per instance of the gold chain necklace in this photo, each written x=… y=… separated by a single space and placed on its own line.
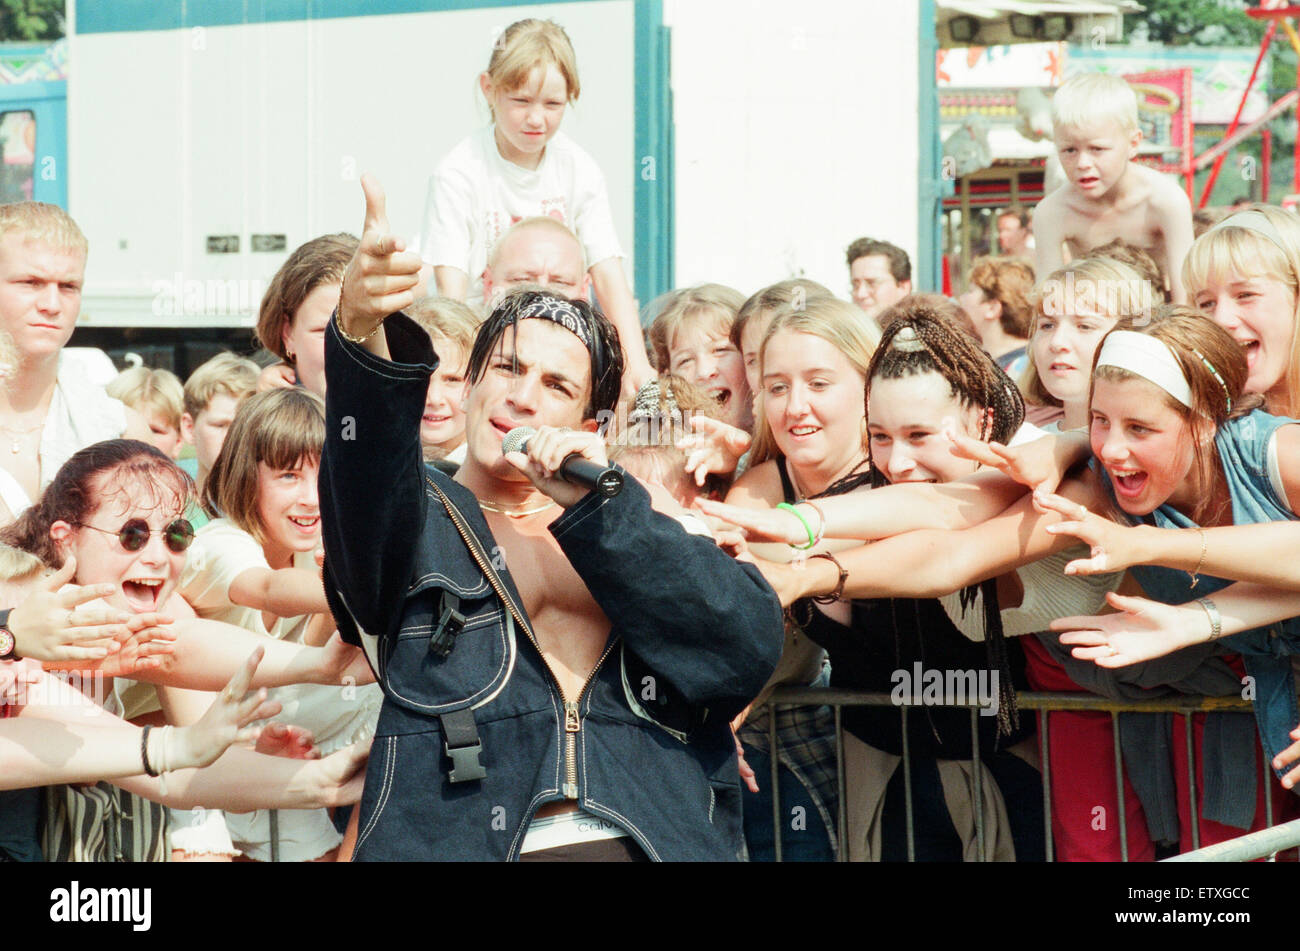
x=490 y=507
x=15 y=446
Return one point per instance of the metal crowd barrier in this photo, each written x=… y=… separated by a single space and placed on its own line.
x=1247 y=848
x=1270 y=840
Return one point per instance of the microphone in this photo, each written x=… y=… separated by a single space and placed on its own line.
x=574 y=469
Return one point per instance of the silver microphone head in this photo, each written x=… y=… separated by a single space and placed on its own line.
x=517 y=439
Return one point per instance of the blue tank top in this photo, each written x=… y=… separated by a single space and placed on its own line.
x=1243 y=450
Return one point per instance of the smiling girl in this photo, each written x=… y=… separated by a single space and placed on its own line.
x=691 y=338
x=253 y=566
x=116 y=508
x=810 y=442
x=1244 y=274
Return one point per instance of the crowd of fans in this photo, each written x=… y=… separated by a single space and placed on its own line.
x=1076 y=477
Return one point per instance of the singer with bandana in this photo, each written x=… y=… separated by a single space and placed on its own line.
x=559 y=667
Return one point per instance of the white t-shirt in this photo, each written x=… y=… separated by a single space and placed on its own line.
x=221 y=553
x=475 y=196
x=81 y=414
x=337 y=716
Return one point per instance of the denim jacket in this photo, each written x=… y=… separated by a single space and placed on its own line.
x=647 y=745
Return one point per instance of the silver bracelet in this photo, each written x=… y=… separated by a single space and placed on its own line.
x=1216 y=619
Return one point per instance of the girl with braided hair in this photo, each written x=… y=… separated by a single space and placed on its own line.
x=925 y=378
x=925 y=563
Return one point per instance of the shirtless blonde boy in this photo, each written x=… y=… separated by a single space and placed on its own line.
x=1107 y=195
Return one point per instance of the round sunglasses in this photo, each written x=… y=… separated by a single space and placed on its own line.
x=135 y=534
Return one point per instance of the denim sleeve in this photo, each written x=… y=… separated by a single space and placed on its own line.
x=372 y=495
x=707 y=623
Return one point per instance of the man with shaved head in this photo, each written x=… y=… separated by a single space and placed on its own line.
x=540 y=251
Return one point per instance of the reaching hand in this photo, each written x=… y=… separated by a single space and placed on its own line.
x=760 y=525
x=338 y=662
x=287 y=740
x=788 y=581
x=747 y=774
x=382 y=276
x=1287 y=757
x=1033 y=464
x=732 y=541
x=340 y=777
x=714 y=447
x=1112 y=547
x=56 y=623
x=277 y=376
x=1141 y=630
x=224 y=723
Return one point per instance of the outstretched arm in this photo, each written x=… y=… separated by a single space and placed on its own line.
x=868 y=514
x=207 y=652
x=372 y=493
x=1232 y=551
x=1142 y=629
x=284 y=592
x=240 y=780
x=929 y=563
x=616 y=299
x=67 y=743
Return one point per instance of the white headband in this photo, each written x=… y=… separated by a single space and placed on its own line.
x=1149 y=358
x=1252 y=221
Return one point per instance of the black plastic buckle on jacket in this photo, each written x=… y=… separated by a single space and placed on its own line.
x=450 y=623
x=462 y=745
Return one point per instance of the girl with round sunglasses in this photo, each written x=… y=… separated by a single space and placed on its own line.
x=134 y=487
x=253 y=566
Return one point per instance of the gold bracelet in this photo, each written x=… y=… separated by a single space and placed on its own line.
x=338 y=323
x=1200 y=561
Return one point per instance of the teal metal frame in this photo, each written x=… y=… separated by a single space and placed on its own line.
x=929 y=179
x=48 y=102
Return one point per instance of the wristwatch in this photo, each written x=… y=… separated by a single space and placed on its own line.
x=7 y=640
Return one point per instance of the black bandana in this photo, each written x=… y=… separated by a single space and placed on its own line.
x=561 y=312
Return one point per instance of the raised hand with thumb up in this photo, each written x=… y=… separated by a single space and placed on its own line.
x=382 y=276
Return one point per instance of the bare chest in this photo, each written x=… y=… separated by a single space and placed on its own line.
x=571 y=629
x=1133 y=224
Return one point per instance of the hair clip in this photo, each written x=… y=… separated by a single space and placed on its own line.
x=906 y=340
x=1210 y=366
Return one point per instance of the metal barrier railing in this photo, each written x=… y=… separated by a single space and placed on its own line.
x=1043 y=703
x=1247 y=848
